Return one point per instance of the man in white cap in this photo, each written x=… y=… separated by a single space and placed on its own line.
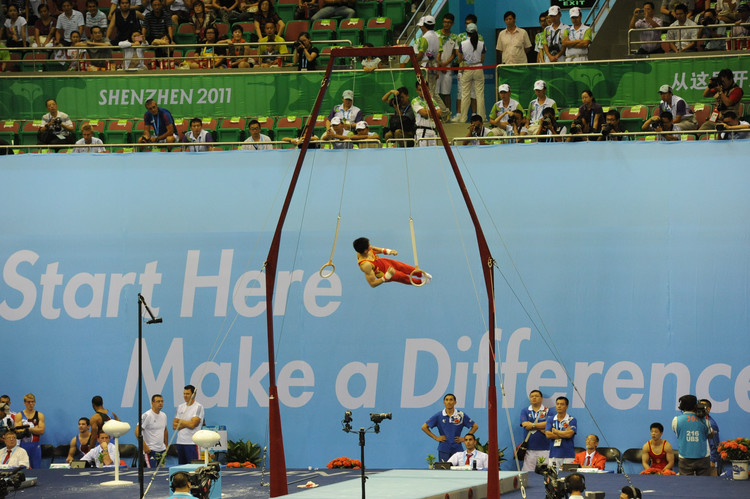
x=502 y=110
x=428 y=47
x=538 y=105
x=553 y=47
x=682 y=114
x=576 y=38
x=362 y=132
x=513 y=43
x=471 y=54
x=349 y=113
x=336 y=134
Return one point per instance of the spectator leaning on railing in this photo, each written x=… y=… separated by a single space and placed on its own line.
x=642 y=19
x=676 y=36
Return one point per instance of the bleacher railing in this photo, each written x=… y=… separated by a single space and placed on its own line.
x=732 y=42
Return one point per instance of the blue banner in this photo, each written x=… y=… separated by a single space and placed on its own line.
x=622 y=270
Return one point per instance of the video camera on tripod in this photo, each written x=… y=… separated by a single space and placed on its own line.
x=11 y=479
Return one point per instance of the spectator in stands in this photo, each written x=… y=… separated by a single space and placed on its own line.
x=80 y=441
x=339 y=9
x=158 y=29
x=553 y=46
x=590 y=112
x=13 y=455
x=682 y=113
x=730 y=123
x=714 y=36
x=237 y=53
x=297 y=141
x=477 y=129
x=471 y=53
x=305 y=9
x=537 y=106
x=337 y=135
x=741 y=32
x=428 y=47
x=44 y=28
x=576 y=38
x=591 y=458
x=272 y=53
x=370 y=63
x=425 y=125
x=125 y=31
x=642 y=19
x=728 y=97
x=540 y=38
x=401 y=123
x=135 y=5
x=70 y=20
x=675 y=37
x=513 y=43
x=727 y=10
x=158 y=125
x=180 y=11
x=57 y=127
x=549 y=126
x=362 y=132
x=266 y=14
x=349 y=113
x=662 y=123
x=201 y=20
x=247 y=6
x=502 y=110
x=657 y=453
x=89 y=140
x=713 y=442
x=224 y=10
x=73 y=58
x=94 y=16
x=197 y=134
x=99 y=49
x=15 y=28
x=446 y=55
x=518 y=124
x=255 y=142
x=305 y=54
x=630 y=492
x=211 y=55
x=612 y=126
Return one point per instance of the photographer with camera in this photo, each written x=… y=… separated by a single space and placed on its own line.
x=57 y=127
x=612 y=125
x=517 y=123
x=693 y=431
x=6 y=418
x=305 y=54
x=642 y=19
x=727 y=94
x=682 y=114
x=13 y=454
x=501 y=111
x=477 y=129
x=576 y=129
x=549 y=126
x=662 y=123
x=729 y=124
x=180 y=485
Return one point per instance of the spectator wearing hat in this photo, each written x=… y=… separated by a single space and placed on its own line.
x=471 y=53
x=349 y=114
x=501 y=111
x=682 y=114
x=538 y=105
x=362 y=132
x=336 y=8
x=428 y=48
x=470 y=19
x=554 y=51
x=337 y=135
x=540 y=38
x=513 y=43
x=576 y=38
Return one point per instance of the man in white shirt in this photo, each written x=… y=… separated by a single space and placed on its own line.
x=88 y=139
x=576 y=38
x=471 y=457
x=513 y=42
x=13 y=454
x=102 y=455
x=155 y=436
x=256 y=139
x=187 y=422
x=676 y=36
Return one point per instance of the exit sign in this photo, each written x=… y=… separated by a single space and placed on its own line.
x=567 y=4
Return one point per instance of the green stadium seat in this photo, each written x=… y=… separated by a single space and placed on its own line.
x=231 y=129
x=267 y=123
x=323 y=29
x=223 y=29
x=118 y=131
x=377 y=123
x=320 y=125
x=288 y=127
x=367 y=9
x=210 y=124
x=396 y=10
x=33 y=61
x=702 y=112
x=182 y=125
x=185 y=34
x=98 y=126
x=13 y=64
x=351 y=29
x=294 y=28
x=9 y=130
x=568 y=114
x=285 y=9
x=29 y=133
x=632 y=117
x=378 y=31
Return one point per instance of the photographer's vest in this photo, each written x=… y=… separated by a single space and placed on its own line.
x=672 y=105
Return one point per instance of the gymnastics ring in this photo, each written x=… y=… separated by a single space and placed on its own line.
x=329 y=274
x=411 y=278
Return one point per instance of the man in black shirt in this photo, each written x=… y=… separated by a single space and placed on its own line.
x=157 y=28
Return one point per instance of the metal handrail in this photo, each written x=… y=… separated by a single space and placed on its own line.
x=595 y=14
x=698 y=27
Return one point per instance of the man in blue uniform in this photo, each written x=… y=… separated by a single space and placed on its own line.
x=561 y=430
x=450 y=423
x=692 y=433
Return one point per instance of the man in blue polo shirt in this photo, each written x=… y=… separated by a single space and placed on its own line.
x=561 y=430
x=158 y=125
x=692 y=433
x=450 y=423
x=534 y=422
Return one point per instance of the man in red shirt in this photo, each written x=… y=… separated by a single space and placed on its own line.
x=590 y=458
